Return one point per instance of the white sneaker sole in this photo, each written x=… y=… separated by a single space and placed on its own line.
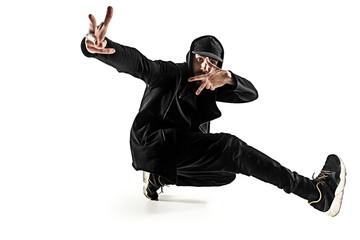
x=146 y=176
x=339 y=192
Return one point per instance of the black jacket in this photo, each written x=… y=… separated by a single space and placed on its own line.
x=169 y=105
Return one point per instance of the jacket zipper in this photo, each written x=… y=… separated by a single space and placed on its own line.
x=163 y=134
x=202 y=130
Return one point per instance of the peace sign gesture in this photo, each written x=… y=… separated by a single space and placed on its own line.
x=95 y=39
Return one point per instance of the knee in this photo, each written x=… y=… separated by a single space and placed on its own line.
x=233 y=142
x=235 y=151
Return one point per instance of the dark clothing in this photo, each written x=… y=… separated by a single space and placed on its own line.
x=170 y=134
x=214 y=160
x=169 y=105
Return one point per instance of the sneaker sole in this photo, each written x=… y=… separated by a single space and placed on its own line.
x=339 y=192
x=146 y=176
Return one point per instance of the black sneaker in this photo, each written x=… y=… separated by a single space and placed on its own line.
x=330 y=183
x=152 y=183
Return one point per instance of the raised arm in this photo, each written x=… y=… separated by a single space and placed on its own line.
x=122 y=58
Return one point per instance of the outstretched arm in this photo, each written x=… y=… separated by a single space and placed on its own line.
x=122 y=58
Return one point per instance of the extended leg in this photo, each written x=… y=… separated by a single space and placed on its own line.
x=255 y=163
x=214 y=159
x=218 y=156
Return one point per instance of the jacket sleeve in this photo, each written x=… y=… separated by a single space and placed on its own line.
x=131 y=61
x=243 y=91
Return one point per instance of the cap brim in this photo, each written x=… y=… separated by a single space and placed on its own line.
x=208 y=54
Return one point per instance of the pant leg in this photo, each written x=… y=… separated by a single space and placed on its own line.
x=257 y=164
x=202 y=161
x=215 y=158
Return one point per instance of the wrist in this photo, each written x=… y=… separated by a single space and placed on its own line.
x=230 y=79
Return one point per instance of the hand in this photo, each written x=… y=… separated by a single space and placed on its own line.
x=95 y=39
x=214 y=79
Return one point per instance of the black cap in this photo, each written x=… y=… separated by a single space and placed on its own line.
x=208 y=47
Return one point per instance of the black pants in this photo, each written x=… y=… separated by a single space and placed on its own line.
x=215 y=159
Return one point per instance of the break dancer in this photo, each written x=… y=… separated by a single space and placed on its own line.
x=170 y=139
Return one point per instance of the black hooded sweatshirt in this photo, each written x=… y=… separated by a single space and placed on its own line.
x=169 y=104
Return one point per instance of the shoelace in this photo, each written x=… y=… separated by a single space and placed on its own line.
x=322 y=176
x=161 y=185
x=319 y=179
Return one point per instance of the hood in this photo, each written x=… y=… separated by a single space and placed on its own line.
x=190 y=55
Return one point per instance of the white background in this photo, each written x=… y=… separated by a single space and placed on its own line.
x=65 y=170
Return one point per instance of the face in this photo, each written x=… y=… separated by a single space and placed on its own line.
x=200 y=66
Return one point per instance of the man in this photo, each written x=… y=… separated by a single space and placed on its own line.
x=170 y=139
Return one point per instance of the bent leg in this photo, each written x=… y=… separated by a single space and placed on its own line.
x=201 y=160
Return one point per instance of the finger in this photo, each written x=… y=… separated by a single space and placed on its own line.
x=93 y=49
x=102 y=32
x=93 y=28
x=202 y=86
x=109 y=14
x=194 y=79
x=90 y=38
x=89 y=43
x=92 y=23
x=90 y=46
x=103 y=44
x=202 y=77
x=207 y=59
